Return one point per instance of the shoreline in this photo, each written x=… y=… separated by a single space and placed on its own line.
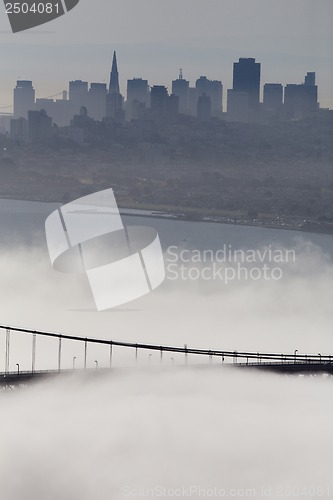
x=175 y=217
x=310 y=227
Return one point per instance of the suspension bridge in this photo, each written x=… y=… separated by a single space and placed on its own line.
x=287 y=363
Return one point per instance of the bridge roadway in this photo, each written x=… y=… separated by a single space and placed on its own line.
x=275 y=362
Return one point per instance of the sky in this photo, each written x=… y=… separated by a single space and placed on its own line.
x=154 y=39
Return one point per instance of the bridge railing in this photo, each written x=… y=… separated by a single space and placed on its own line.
x=225 y=356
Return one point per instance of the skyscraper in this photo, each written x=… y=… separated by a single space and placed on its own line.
x=137 y=90
x=24 y=98
x=193 y=101
x=97 y=101
x=172 y=108
x=204 y=108
x=310 y=79
x=301 y=100
x=137 y=97
x=114 y=101
x=78 y=95
x=246 y=78
x=158 y=99
x=180 y=88
x=273 y=96
x=114 y=76
x=39 y=125
x=213 y=89
x=237 y=106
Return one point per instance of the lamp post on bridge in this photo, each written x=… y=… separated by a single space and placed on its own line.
x=74 y=358
x=319 y=357
x=96 y=363
x=295 y=352
x=18 y=368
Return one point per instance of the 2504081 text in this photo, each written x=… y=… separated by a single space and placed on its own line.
x=35 y=8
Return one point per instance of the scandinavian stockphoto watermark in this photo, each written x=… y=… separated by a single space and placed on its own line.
x=27 y=14
x=196 y=491
x=227 y=264
x=122 y=263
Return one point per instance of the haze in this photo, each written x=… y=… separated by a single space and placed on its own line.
x=154 y=39
x=169 y=429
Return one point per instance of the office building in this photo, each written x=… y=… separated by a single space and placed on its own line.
x=78 y=95
x=246 y=78
x=204 y=108
x=137 y=90
x=310 y=79
x=172 y=107
x=158 y=100
x=114 y=99
x=19 y=130
x=192 y=101
x=137 y=98
x=238 y=106
x=39 y=125
x=180 y=88
x=214 y=90
x=24 y=98
x=273 y=96
x=61 y=110
x=301 y=100
x=96 y=105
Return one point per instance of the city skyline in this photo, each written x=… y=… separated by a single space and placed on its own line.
x=155 y=40
x=237 y=75
x=123 y=85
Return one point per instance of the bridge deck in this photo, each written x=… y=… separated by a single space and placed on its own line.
x=287 y=363
x=27 y=377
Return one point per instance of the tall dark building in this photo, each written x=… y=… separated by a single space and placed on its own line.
x=192 y=101
x=24 y=98
x=158 y=99
x=137 y=98
x=301 y=100
x=114 y=76
x=137 y=90
x=180 y=88
x=19 y=130
x=273 y=96
x=78 y=95
x=172 y=108
x=238 y=106
x=246 y=78
x=214 y=90
x=114 y=105
x=204 y=108
x=310 y=79
x=39 y=125
x=97 y=101
x=78 y=90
